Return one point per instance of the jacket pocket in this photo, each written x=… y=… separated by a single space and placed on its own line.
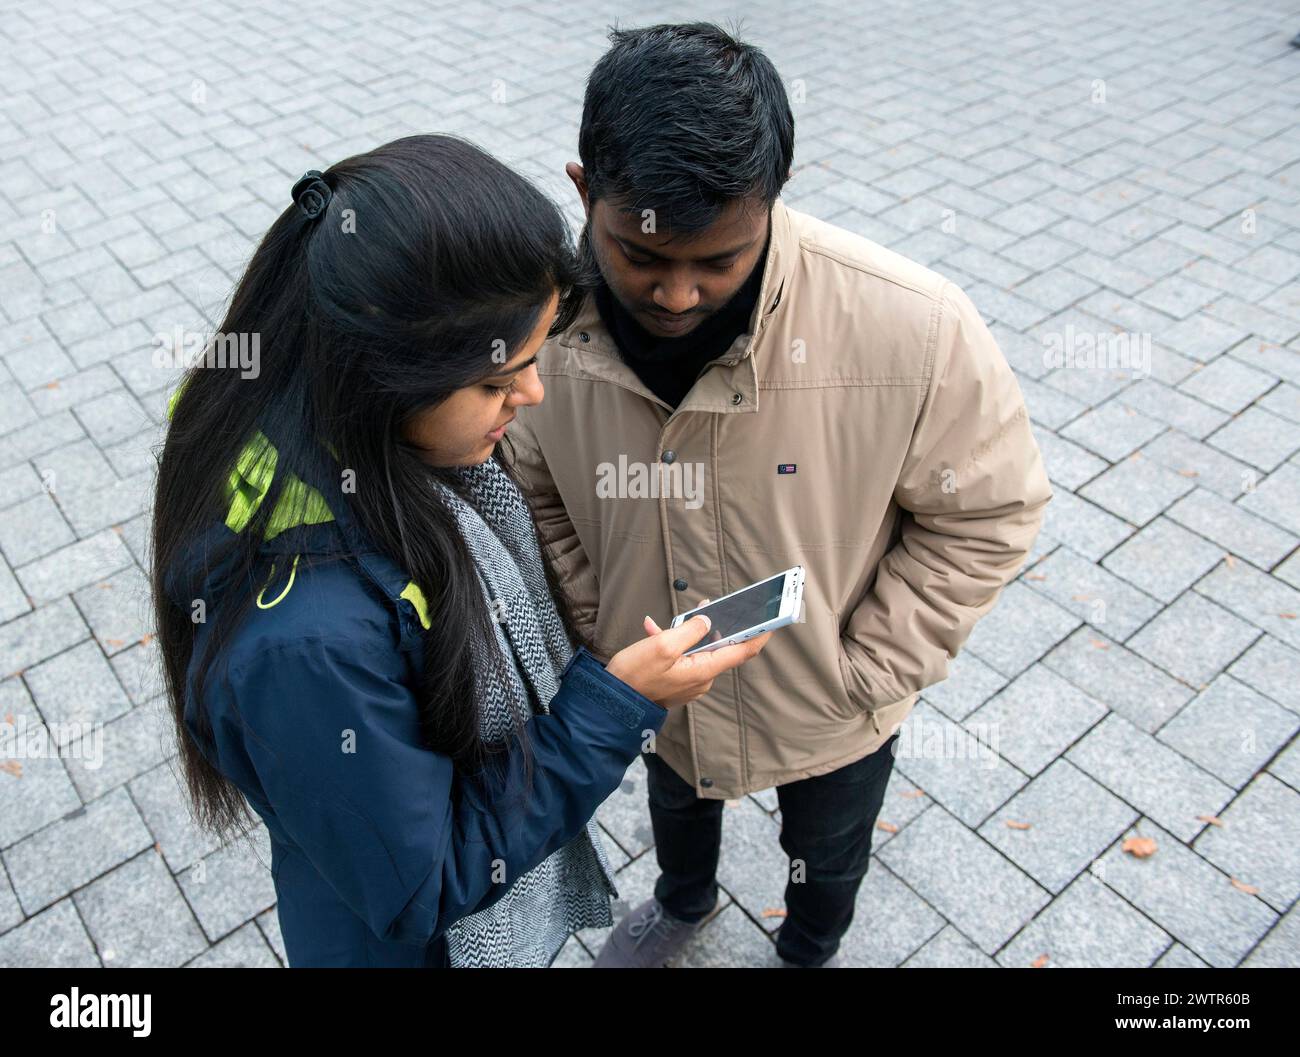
x=845 y=705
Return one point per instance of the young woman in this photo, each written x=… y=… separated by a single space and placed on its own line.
x=360 y=636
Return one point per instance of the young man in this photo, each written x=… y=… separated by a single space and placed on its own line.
x=750 y=389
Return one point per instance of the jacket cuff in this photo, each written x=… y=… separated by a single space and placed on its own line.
x=630 y=707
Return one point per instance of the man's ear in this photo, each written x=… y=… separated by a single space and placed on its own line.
x=579 y=177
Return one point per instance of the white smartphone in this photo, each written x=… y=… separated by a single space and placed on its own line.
x=749 y=612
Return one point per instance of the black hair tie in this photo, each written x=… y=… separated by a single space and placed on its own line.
x=312 y=194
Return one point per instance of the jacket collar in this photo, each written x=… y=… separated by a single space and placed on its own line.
x=732 y=387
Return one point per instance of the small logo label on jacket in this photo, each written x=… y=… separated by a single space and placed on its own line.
x=785 y=467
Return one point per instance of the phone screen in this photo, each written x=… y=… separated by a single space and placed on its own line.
x=754 y=605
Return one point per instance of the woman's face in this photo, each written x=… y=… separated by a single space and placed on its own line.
x=464 y=428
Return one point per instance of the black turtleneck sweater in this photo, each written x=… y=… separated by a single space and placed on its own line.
x=668 y=367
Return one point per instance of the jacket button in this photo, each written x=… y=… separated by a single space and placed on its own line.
x=706 y=782
x=670 y=456
x=584 y=335
x=680 y=585
x=736 y=398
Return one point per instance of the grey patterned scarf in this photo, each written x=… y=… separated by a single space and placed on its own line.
x=570 y=889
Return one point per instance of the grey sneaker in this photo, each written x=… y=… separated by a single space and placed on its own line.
x=645 y=939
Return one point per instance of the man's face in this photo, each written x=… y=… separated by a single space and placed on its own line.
x=670 y=285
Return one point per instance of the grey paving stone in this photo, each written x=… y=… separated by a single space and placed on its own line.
x=1087 y=926
x=1230 y=730
x=1277 y=498
x=1057 y=824
x=34 y=787
x=90 y=511
x=246 y=948
x=76 y=565
x=1283 y=400
x=1036 y=718
x=137 y=916
x=625 y=816
x=1280 y=949
x=1232 y=527
x=1159 y=401
x=1153 y=778
x=159 y=795
x=55 y=939
x=1163 y=559
x=269 y=925
x=1084 y=528
x=232 y=885
x=75 y=467
x=1129 y=685
x=1112 y=430
x=117 y=609
x=1049 y=406
x=1228 y=384
x=39 y=634
x=113 y=754
x=1255 y=596
x=1193 y=639
x=139 y=669
x=77 y=687
x=1067 y=463
x=1019 y=629
x=890 y=921
x=949 y=950
x=1251 y=844
x=982 y=893
x=953 y=766
x=970 y=683
x=904 y=801
x=32 y=529
x=1092 y=593
x=13 y=600
x=1271 y=668
x=10 y=912
x=1201 y=464
x=1136 y=489
x=1179 y=957
x=1187 y=897
x=1257 y=437
x=69 y=853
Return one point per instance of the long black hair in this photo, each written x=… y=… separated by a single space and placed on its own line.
x=430 y=257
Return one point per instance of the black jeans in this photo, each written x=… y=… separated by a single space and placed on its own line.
x=826 y=823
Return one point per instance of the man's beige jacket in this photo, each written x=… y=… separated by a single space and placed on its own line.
x=867 y=428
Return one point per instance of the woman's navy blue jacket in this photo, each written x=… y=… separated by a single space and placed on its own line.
x=377 y=843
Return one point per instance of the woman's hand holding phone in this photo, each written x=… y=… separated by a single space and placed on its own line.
x=655 y=667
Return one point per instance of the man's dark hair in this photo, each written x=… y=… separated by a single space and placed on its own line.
x=683 y=119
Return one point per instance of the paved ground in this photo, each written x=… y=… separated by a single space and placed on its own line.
x=1081 y=169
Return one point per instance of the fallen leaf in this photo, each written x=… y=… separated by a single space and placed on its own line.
x=888 y=827
x=1287 y=616
x=774 y=912
x=1139 y=847
x=1012 y=824
x=1190 y=473
x=146 y=639
x=912 y=794
x=12 y=767
x=1035 y=576
x=115 y=642
x=1229 y=561
x=1038 y=962
x=1211 y=819
x=1241 y=886
x=1098 y=644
